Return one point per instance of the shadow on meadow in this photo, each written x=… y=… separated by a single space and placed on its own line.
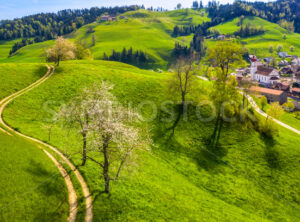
x=272 y=155
x=171 y=138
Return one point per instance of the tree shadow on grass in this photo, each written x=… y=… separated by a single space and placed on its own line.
x=206 y=156
x=48 y=186
x=47 y=180
x=272 y=155
x=209 y=156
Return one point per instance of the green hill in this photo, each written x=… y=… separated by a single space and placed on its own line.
x=248 y=178
x=260 y=44
x=142 y=30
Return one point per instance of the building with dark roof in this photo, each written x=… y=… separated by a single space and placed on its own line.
x=272 y=95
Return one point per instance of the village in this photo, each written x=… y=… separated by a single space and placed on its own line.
x=276 y=84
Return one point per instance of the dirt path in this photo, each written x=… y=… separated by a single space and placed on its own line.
x=85 y=189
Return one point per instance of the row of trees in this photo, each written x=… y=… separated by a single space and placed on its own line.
x=197 y=46
x=286 y=12
x=197 y=5
x=249 y=30
x=51 y=25
x=137 y=57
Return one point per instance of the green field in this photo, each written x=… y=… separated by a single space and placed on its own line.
x=259 y=45
x=248 y=178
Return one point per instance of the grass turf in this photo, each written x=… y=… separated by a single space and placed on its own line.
x=31 y=188
x=248 y=178
x=14 y=77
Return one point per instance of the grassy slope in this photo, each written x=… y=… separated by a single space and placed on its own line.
x=31 y=187
x=148 y=31
x=14 y=77
x=260 y=44
x=248 y=178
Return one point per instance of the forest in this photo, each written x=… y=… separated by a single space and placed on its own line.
x=50 y=25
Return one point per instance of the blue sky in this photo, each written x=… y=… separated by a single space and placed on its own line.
x=17 y=8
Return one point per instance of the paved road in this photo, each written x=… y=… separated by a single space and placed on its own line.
x=254 y=105
x=72 y=193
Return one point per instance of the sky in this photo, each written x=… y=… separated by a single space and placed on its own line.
x=10 y=9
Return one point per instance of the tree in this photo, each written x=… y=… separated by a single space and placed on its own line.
x=271 y=48
x=263 y=102
x=273 y=62
x=179 y=6
x=112 y=136
x=79 y=114
x=183 y=78
x=201 y=5
x=284 y=37
x=279 y=48
x=94 y=40
x=224 y=57
x=62 y=50
x=81 y=53
x=195 y=5
x=275 y=110
x=289 y=106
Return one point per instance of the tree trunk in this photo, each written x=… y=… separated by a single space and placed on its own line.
x=84 y=149
x=106 y=168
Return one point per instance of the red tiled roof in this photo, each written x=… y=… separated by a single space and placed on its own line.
x=264 y=70
x=266 y=90
x=296 y=90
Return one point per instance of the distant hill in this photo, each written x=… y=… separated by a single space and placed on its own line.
x=259 y=44
x=143 y=30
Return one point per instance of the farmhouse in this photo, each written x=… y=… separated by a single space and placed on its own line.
x=271 y=94
x=283 y=54
x=286 y=71
x=296 y=92
x=296 y=61
x=106 y=18
x=263 y=74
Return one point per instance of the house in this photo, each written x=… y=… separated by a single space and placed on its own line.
x=283 y=63
x=296 y=92
x=105 y=18
x=286 y=71
x=297 y=78
x=283 y=86
x=264 y=74
x=296 y=62
x=272 y=95
x=268 y=59
x=283 y=54
x=221 y=37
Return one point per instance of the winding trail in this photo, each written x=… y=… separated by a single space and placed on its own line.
x=72 y=194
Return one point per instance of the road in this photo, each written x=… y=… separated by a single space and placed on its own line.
x=257 y=109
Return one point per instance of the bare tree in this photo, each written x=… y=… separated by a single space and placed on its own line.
x=183 y=78
x=62 y=50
